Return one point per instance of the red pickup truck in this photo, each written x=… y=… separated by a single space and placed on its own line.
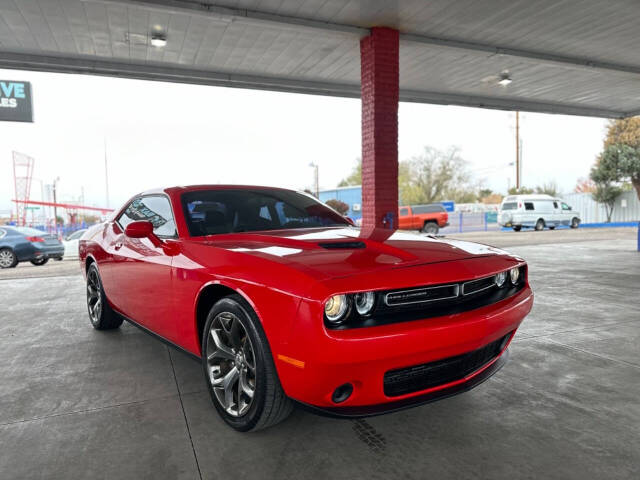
x=425 y=218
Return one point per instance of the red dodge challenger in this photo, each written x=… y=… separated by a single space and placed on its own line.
x=284 y=301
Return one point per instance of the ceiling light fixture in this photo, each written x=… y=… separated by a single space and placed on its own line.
x=505 y=79
x=158 y=40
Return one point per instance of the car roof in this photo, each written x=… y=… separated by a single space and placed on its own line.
x=190 y=188
x=515 y=198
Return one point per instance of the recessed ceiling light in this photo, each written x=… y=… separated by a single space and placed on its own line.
x=158 y=40
x=505 y=79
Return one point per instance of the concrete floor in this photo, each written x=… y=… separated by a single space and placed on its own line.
x=77 y=403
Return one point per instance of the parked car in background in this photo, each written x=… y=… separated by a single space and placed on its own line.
x=72 y=243
x=282 y=300
x=23 y=244
x=424 y=218
x=536 y=211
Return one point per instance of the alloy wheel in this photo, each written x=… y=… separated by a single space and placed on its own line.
x=231 y=364
x=94 y=296
x=6 y=258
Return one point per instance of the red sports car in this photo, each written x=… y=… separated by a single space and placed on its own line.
x=284 y=301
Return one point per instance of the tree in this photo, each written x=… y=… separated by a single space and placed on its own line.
x=435 y=176
x=548 y=188
x=520 y=191
x=355 y=177
x=585 y=185
x=622 y=149
x=339 y=206
x=605 y=176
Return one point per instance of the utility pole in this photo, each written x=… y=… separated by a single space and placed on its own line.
x=518 y=150
x=317 y=178
x=106 y=173
x=55 y=203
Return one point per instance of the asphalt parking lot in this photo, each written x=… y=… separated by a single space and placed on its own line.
x=78 y=403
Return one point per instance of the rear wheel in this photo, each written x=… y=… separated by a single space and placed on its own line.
x=39 y=261
x=575 y=222
x=239 y=370
x=101 y=315
x=540 y=225
x=8 y=259
x=430 y=228
x=517 y=228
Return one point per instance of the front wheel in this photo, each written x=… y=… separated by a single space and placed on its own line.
x=239 y=370
x=8 y=259
x=430 y=228
x=39 y=261
x=540 y=225
x=575 y=222
x=101 y=315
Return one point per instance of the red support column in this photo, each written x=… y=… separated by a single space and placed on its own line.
x=379 y=64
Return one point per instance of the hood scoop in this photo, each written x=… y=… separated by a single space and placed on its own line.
x=350 y=245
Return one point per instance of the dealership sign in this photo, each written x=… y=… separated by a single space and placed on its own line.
x=15 y=101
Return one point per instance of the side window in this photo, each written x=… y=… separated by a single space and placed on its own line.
x=404 y=212
x=565 y=206
x=264 y=213
x=555 y=204
x=528 y=206
x=154 y=208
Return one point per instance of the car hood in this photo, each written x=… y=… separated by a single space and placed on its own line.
x=338 y=252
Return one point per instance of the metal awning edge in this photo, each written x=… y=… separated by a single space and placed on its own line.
x=157 y=72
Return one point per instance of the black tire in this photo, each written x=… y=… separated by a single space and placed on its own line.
x=39 y=261
x=8 y=258
x=269 y=405
x=575 y=222
x=517 y=228
x=430 y=228
x=101 y=315
x=539 y=225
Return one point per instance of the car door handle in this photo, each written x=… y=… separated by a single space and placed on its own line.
x=118 y=245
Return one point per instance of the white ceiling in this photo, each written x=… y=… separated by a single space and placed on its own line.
x=572 y=56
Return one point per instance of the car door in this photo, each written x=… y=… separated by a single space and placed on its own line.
x=404 y=219
x=141 y=271
x=557 y=213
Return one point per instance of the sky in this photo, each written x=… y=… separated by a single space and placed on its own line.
x=162 y=134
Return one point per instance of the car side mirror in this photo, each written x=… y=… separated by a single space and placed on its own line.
x=139 y=229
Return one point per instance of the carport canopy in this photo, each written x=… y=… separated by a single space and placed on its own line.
x=576 y=57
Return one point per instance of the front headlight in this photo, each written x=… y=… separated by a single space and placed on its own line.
x=514 y=273
x=500 y=278
x=364 y=302
x=336 y=308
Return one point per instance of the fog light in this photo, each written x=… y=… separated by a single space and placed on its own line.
x=336 y=308
x=500 y=278
x=364 y=302
x=342 y=393
x=514 y=273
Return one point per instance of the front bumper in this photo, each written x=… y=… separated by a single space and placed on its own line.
x=362 y=356
x=432 y=396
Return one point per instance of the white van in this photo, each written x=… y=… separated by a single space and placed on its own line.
x=536 y=211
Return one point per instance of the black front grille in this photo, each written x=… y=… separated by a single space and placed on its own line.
x=420 y=377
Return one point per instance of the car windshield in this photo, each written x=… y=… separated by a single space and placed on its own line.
x=212 y=212
x=509 y=206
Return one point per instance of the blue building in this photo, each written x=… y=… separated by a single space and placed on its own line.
x=352 y=196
